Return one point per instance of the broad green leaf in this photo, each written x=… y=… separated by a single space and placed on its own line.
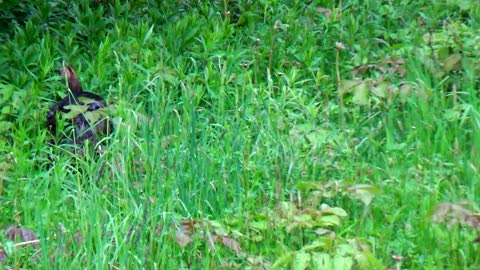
x=6 y=110
x=93 y=117
x=342 y=263
x=452 y=115
x=453 y=62
x=328 y=220
x=5 y=125
x=322 y=261
x=9 y=247
x=75 y=110
x=86 y=100
x=366 y=261
x=360 y=93
x=370 y=188
x=317 y=137
x=6 y=91
x=283 y=261
x=310 y=185
x=333 y=210
x=258 y=225
x=345 y=250
x=320 y=243
x=347 y=86
x=301 y=260
x=364 y=192
x=287 y=209
x=304 y=219
x=381 y=90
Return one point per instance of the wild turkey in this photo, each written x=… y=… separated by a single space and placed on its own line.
x=85 y=114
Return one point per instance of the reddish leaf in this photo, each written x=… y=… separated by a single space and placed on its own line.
x=3 y=255
x=455 y=213
x=182 y=238
x=230 y=243
x=325 y=12
x=78 y=237
x=14 y=233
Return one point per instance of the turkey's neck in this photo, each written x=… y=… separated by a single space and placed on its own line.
x=74 y=85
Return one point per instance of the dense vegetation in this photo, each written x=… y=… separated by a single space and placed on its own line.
x=248 y=135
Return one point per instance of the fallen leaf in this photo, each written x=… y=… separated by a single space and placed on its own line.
x=453 y=62
x=230 y=243
x=347 y=86
x=325 y=12
x=455 y=213
x=381 y=89
x=364 y=192
x=14 y=233
x=333 y=210
x=360 y=93
x=3 y=255
x=182 y=238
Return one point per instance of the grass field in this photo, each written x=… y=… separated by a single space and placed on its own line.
x=248 y=135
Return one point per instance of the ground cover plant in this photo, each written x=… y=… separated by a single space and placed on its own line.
x=247 y=135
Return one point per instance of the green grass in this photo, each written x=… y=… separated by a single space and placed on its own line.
x=232 y=129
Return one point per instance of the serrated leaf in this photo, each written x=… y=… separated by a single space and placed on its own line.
x=301 y=260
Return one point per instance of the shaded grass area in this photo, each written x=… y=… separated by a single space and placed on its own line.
x=232 y=119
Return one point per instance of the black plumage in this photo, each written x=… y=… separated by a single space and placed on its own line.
x=85 y=114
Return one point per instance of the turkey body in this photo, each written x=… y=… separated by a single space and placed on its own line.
x=85 y=114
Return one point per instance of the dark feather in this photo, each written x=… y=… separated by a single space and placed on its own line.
x=83 y=129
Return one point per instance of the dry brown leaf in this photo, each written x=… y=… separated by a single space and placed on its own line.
x=78 y=236
x=182 y=238
x=15 y=232
x=230 y=243
x=210 y=241
x=325 y=12
x=453 y=62
x=363 y=69
x=3 y=255
x=455 y=213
